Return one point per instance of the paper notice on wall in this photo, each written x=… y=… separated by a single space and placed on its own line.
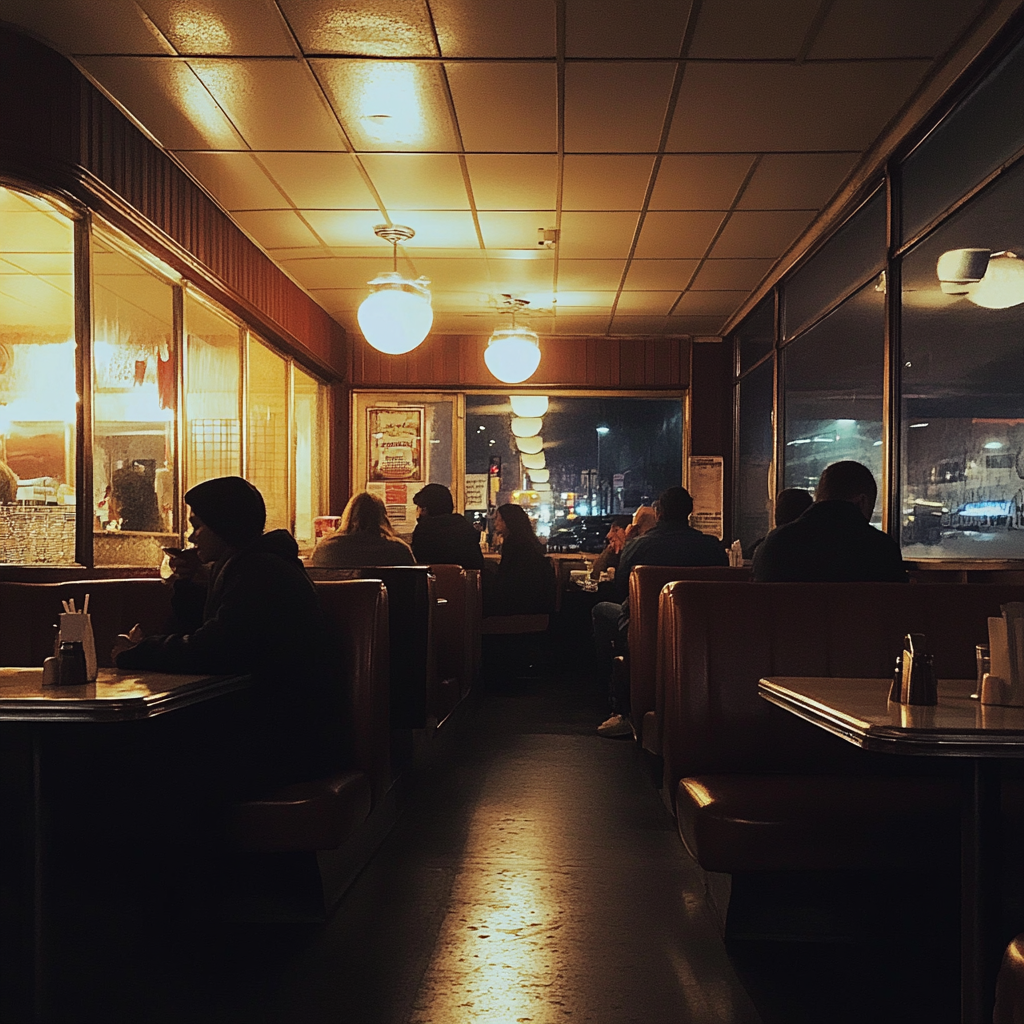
x=397 y=498
x=476 y=492
x=706 y=476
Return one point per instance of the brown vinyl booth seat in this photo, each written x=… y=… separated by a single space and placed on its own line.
x=29 y=612
x=755 y=788
x=324 y=813
x=456 y=632
x=645 y=586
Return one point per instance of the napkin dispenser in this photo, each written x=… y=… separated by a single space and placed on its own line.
x=1004 y=682
x=919 y=685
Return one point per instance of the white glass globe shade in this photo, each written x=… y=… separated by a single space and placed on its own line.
x=395 y=320
x=537 y=461
x=1003 y=283
x=539 y=476
x=512 y=355
x=530 y=445
x=526 y=426
x=529 y=405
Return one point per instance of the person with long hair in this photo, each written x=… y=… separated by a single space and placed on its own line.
x=524 y=581
x=364 y=537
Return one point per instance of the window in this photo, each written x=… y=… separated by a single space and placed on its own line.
x=755 y=337
x=266 y=454
x=38 y=398
x=309 y=418
x=135 y=371
x=755 y=394
x=963 y=384
x=213 y=438
x=832 y=380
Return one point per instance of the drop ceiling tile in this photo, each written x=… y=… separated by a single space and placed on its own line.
x=274 y=228
x=319 y=180
x=653 y=303
x=605 y=182
x=593 y=301
x=638 y=324
x=514 y=276
x=700 y=181
x=394 y=106
x=590 y=275
x=514 y=230
x=114 y=26
x=165 y=95
x=696 y=326
x=235 y=180
x=796 y=181
x=656 y=275
x=49 y=264
x=710 y=303
x=417 y=181
x=374 y=28
x=581 y=325
x=616 y=108
x=252 y=27
x=334 y=272
x=463 y=323
x=610 y=28
x=760 y=235
x=463 y=275
x=274 y=104
x=510 y=28
x=513 y=181
x=771 y=107
x=752 y=29
x=339 y=300
x=596 y=235
x=505 y=108
x=349 y=228
x=877 y=28
x=447 y=229
x=677 y=235
x=731 y=274
x=475 y=303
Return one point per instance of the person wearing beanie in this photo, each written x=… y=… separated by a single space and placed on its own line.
x=442 y=536
x=243 y=603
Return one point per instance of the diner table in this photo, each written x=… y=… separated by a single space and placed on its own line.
x=27 y=712
x=858 y=711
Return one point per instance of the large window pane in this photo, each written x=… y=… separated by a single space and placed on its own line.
x=267 y=443
x=37 y=382
x=984 y=131
x=852 y=255
x=135 y=380
x=753 y=506
x=755 y=337
x=309 y=419
x=213 y=440
x=963 y=388
x=832 y=380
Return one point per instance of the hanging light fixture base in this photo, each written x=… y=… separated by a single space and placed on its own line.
x=394 y=233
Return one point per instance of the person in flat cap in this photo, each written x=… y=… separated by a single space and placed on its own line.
x=243 y=603
x=442 y=536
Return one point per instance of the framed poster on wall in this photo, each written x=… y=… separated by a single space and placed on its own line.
x=394 y=439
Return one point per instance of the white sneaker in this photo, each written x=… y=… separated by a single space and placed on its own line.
x=617 y=725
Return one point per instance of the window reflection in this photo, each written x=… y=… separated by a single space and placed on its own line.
x=134 y=389
x=832 y=377
x=38 y=401
x=753 y=506
x=963 y=393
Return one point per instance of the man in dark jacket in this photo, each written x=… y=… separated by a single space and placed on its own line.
x=671 y=541
x=257 y=613
x=833 y=541
x=442 y=536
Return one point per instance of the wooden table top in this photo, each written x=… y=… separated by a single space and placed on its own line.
x=858 y=710
x=114 y=697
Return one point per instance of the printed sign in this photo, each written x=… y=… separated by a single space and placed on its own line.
x=476 y=492
x=395 y=443
x=706 y=474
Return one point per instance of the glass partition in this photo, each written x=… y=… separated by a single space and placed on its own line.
x=38 y=399
x=309 y=427
x=755 y=394
x=832 y=382
x=755 y=337
x=266 y=454
x=134 y=401
x=963 y=382
x=213 y=435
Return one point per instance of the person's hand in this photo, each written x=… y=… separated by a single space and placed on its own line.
x=184 y=563
x=126 y=641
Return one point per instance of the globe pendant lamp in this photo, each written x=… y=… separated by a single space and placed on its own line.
x=513 y=353
x=396 y=316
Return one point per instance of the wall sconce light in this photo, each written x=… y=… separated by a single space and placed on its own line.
x=396 y=316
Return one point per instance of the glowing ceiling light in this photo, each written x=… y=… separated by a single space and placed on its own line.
x=539 y=476
x=526 y=426
x=537 y=461
x=397 y=314
x=529 y=405
x=1003 y=283
x=513 y=353
x=993 y=445
x=389 y=104
x=530 y=445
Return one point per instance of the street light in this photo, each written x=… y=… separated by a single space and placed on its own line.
x=601 y=431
